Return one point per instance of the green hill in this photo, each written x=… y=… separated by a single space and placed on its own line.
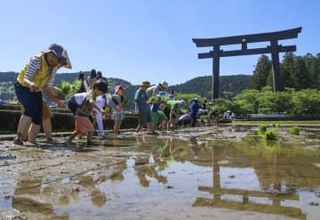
x=230 y=85
x=7 y=79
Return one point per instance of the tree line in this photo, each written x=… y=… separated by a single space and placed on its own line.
x=243 y=94
x=265 y=101
x=298 y=72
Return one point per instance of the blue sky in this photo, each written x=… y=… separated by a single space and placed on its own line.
x=146 y=39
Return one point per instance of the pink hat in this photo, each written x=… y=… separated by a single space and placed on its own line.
x=118 y=87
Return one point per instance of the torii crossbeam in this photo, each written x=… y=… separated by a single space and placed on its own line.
x=274 y=48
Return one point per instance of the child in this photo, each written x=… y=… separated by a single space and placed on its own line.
x=117 y=104
x=171 y=111
x=82 y=105
x=32 y=80
x=157 y=116
x=193 y=111
x=142 y=107
x=101 y=102
x=185 y=119
x=156 y=89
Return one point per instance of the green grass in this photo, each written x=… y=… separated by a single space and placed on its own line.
x=277 y=123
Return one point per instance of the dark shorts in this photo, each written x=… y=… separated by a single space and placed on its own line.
x=145 y=117
x=72 y=105
x=31 y=102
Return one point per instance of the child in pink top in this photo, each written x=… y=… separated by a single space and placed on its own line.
x=117 y=104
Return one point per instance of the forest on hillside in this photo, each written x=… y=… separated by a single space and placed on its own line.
x=297 y=72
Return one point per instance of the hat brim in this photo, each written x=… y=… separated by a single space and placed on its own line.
x=68 y=63
x=121 y=88
x=163 y=86
x=61 y=58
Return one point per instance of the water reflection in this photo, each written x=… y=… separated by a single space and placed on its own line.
x=251 y=175
x=169 y=174
x=250 y=199
x=27 y=199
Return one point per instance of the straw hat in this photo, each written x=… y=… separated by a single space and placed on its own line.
x=145 y=84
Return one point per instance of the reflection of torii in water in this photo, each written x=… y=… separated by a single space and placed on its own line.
x=276 y=197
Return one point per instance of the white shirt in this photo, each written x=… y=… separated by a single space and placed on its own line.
x=101 y=102
x=79 y=97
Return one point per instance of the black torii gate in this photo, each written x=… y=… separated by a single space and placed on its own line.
x=274 y=48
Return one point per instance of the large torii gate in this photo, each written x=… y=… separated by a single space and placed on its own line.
x=274 y=48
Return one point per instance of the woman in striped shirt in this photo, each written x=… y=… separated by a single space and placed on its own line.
x=33 y=79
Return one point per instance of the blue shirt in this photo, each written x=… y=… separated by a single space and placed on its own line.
x=141 y=98
x=194 y=108
x=155 y=107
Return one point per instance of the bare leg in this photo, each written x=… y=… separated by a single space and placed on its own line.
x=73 y=135
x=150 y=127
x=116 y=127
x=172 y=121
x=33 y=132
x=23 y=127
x=47 y=128
x=119 y=126
x=138 y=129
x=25 y=134
x=89 y=138
x=164 y=124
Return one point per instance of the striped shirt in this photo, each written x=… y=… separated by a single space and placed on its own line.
x=34 y=66
x=52 y=77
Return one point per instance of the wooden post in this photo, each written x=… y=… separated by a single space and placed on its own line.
x=275 y=66
x=215 y=72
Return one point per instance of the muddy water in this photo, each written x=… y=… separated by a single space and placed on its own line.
x=225 y=173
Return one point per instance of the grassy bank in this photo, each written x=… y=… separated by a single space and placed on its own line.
x=289 y=123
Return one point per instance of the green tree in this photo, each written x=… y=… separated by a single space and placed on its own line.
x=247 y=102
x=270 y=101
x=222 y=105
x=306 y=102
x=286 y=70
x=261 y=72
x=300 y=74
x=313 y=65
x=187 y=97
